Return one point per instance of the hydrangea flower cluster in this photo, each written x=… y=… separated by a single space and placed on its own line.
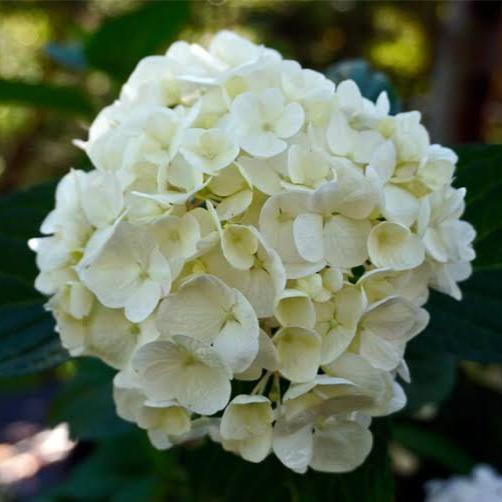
x=252 y=253
x=483 y=484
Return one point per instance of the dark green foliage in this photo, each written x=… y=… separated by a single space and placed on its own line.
x=120 y=42
x=28 y=343
x=64 y=99
x=204 y=472
x=86 y=403
x=432 y=372
x=479 y=170
x=471 y=329
x=434 y=446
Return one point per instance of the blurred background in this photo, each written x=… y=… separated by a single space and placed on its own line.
x=61 y=61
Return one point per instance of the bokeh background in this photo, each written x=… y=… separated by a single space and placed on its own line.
x=61 y=61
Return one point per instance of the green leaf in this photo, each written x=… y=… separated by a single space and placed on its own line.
x=479 y=170
x=140 y=488
x=122 y=469
x=89 y=390
x=17 y=259
x=272 y=481
x=22 y=212
x=15 y=290
x=67 y=99
x=28 y=342
x=433 y=374
x=120 y=42
x=125 y=465
x=433 y=446
x=471 y=329
x=136 y=471
x=370 y=82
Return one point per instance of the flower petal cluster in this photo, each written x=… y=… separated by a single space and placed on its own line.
x=252 y=252
x=484 y=483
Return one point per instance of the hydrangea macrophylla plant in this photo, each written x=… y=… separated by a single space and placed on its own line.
x=252 y=253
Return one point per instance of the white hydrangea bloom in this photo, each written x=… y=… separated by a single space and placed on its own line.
x=484 y=484
x=249 y=225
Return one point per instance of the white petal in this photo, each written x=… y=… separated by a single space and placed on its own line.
x=290 y=121
x=263 y=144
x=228 y=181
x=239 y=246
x=293 y=448
x=143 y=301
x=261 y=174
x=380 y=353
x=349 y=96
x=276 y=223
x=299 y=353
x=246 y=416
x=256 y=448
x=400 y=206
x=392 y=245
x=208 y=150
x=295 y=308
x=383 y=160
x=367 y=143
x=234 y=205
x=307 y=232
x=373 y=382
x=340 y=447
x=350 y=303
x=339 y=135
x=335 y=342
x=351 y=195
x=113 y=275
x=267 y=358
x=345 y=241
x=395 y=319
x=102 y=198
x=110 y=336
x=237 y=343
x=159 y=439
x=159 y=270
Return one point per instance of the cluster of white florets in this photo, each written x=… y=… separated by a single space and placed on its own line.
x=484 y=485
x=252 y=252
